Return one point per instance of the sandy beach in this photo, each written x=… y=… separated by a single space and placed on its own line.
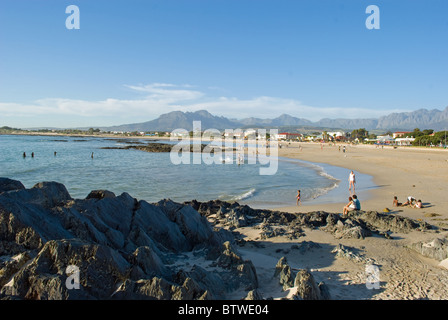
x=404 y=273
x=401 y=172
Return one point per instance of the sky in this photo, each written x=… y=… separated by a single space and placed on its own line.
x=131 y=61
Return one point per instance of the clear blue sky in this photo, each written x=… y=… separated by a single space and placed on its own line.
x=133 y=60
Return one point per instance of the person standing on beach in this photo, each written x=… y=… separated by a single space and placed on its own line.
x=351 y=181
x=298 y=197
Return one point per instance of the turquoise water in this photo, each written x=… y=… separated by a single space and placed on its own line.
x=152 y=176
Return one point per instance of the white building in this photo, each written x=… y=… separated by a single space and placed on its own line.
x=404 y=141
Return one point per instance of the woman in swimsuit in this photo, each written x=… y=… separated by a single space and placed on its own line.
x=298 y=197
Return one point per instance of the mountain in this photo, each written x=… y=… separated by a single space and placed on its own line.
x=368 y=124
x=283 y=120
x=179 y=120
x=423 y=119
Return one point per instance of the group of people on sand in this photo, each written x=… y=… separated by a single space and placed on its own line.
x=354 y=204
x=410 y=201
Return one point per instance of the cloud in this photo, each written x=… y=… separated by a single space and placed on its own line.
x=158 y=98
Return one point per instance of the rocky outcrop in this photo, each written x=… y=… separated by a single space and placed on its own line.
x=357 y=225
x=111 y=247
x=435 y=249
x=159 y=147
x=284 y=273
x=303 y=282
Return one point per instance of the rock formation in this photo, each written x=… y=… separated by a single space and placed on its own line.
x=117 y=247
x=357 y=225
x=120 y=247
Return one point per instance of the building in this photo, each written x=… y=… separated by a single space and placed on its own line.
x=337 y=135
x=289 y=136
x=400 y=134
x=387 y=139
x=404 y=141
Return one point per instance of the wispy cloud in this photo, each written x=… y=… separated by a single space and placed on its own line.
x=159 y=98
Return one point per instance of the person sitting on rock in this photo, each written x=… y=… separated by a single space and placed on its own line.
x=350 y=206
x=356 y=202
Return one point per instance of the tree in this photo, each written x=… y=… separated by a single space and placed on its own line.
x=360 y=134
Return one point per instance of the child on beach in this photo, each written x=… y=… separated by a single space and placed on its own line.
x=298 y=197
x=418 y=204
x=409 y=202
x=396 y=203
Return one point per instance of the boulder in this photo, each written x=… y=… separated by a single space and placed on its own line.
x=435 y=249
x=7 y=184
x=307 y=287
x=284 y=273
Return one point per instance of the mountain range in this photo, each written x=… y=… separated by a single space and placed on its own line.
x=422 y=119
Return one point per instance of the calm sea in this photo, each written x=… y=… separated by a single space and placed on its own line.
x=152 y=176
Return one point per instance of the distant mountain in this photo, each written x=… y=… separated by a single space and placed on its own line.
x=423 y=119
x=367 y=124
x=179 y=120
x=283 y=120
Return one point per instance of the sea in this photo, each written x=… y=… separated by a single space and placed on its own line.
x=82 y=164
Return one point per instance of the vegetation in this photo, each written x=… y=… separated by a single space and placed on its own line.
x=439 y=138
x=360 y=134
x=417 y=133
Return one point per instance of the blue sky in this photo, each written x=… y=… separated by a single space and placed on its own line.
x=133 y=60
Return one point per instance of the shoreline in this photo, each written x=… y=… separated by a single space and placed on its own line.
x=397 y=172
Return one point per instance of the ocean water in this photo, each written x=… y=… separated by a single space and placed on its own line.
x=152 y=176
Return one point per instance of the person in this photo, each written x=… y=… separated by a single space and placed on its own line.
x=418 y=204
x=24 y=154
x=356 y=202
x=298 y=197
x=396 y=203
x=410 y=201
x=32 y=154
x=349 y=206
x=351 y=181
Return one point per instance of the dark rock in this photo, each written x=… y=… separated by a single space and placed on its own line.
x=100 y=194
x=254 y=295
x=307 y=287
x=122 y=248
x=284 y=273
x=7 y=184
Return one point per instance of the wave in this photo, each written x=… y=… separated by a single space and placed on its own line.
x=243 y=196
x=314 y=193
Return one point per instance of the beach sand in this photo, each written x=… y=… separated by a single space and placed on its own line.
x=403 y=273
